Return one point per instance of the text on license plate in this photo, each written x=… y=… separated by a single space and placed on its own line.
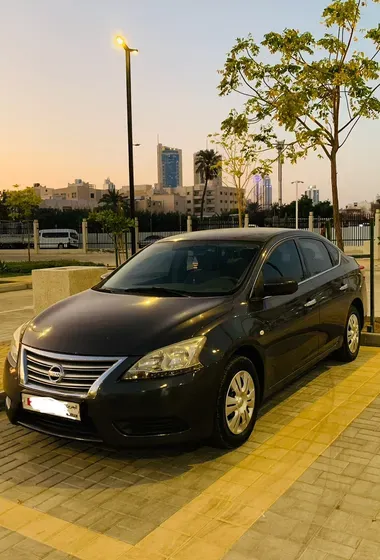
x=48 y=405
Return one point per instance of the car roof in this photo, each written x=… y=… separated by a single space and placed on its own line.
x=239 y=234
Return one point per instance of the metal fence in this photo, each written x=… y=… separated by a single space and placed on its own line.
x=211 y=223
x=14 y=235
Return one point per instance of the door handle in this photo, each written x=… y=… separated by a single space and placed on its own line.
x=310 y=303
x=343 y=288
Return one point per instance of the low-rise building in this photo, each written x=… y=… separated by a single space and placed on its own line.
x=218 y=199
x=79 y=194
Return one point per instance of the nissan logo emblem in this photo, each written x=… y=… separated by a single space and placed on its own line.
x=56 y=373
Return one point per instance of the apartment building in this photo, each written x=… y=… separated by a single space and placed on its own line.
x=218 y=199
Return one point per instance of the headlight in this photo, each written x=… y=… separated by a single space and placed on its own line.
x=16 y=341
x=171 y=360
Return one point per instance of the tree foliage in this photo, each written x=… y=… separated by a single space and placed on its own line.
x=316 y=89
x=22 y=204
x=239 y=162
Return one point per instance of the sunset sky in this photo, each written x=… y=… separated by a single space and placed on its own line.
x=62 y=93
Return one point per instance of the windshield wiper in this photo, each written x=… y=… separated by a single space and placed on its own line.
x=156 y=290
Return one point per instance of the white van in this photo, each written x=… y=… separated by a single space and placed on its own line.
x=59 y=239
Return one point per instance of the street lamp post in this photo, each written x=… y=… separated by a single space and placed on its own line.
x=121 y=41
x=296 y=183
x=280 y=148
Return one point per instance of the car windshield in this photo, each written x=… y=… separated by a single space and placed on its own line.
x=185 y=268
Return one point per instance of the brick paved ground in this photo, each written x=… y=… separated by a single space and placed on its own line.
x=306 y=485
x=15 y=309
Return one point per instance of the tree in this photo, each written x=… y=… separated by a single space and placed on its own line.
x=238 y=163
x=316 y=89
x=115 y=225
x=207 y=165
x=22 y=205
x=113 y=200
x=3 y=208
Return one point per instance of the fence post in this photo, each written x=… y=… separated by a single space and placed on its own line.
x=136 y=235
x=371 y=328
x=189 y=224
x=85 y=236
x=36 y=236
x=311 y=221
x=377 y=235
x=246 y=220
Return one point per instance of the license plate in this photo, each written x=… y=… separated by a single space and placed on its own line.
x=48 y=405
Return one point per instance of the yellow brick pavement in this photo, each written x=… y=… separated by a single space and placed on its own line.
x=210 y=524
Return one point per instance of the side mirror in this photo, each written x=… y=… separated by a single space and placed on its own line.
x=283 y=287
x=104 y=276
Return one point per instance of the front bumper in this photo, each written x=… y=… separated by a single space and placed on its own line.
x=127 y=413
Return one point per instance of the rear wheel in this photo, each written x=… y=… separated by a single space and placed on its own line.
x=60 y=246
x=237 y=405
x=351 y=343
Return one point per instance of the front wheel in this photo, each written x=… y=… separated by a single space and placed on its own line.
x=351 y=343
x=237 y=405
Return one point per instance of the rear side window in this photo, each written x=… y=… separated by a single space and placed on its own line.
x=316 y=255
x=284 y=262
x=334 y=254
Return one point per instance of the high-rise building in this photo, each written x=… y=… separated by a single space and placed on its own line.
x=169 y=167
x=313 y=193
x=267 y=186
x=108 y=185
x=198 y=177
x=262 y=191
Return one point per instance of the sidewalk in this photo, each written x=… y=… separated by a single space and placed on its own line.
x=15 y=283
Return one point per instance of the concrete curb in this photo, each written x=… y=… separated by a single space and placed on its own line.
x=15 y=287
x=370 y=339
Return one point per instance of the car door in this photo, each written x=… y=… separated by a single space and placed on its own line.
x=290 y=324
x=327 y=276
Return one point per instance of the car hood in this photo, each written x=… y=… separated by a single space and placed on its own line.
x=104 y=324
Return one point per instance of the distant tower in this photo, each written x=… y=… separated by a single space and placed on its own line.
x=169 y=167
x=313 y=193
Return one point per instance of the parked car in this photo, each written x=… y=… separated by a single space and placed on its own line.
x=59 y=239
x=186 y=339
x=149 y=240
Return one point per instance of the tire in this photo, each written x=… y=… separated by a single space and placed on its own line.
x=232 y=430
x=60 y=246
x=352 y=334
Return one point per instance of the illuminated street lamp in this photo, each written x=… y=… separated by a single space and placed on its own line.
x=122 y=43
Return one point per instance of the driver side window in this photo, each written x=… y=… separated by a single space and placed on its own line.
x=284 y=262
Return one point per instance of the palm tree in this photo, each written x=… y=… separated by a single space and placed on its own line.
x=207 y=164
x=113 y=200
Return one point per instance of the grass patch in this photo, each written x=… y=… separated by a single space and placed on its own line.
x=9 y=269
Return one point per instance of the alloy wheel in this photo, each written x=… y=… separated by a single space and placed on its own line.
x=353 y=331
x=240 y=402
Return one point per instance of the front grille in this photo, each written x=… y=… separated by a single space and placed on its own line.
x=151 y=426
x=64 y=374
